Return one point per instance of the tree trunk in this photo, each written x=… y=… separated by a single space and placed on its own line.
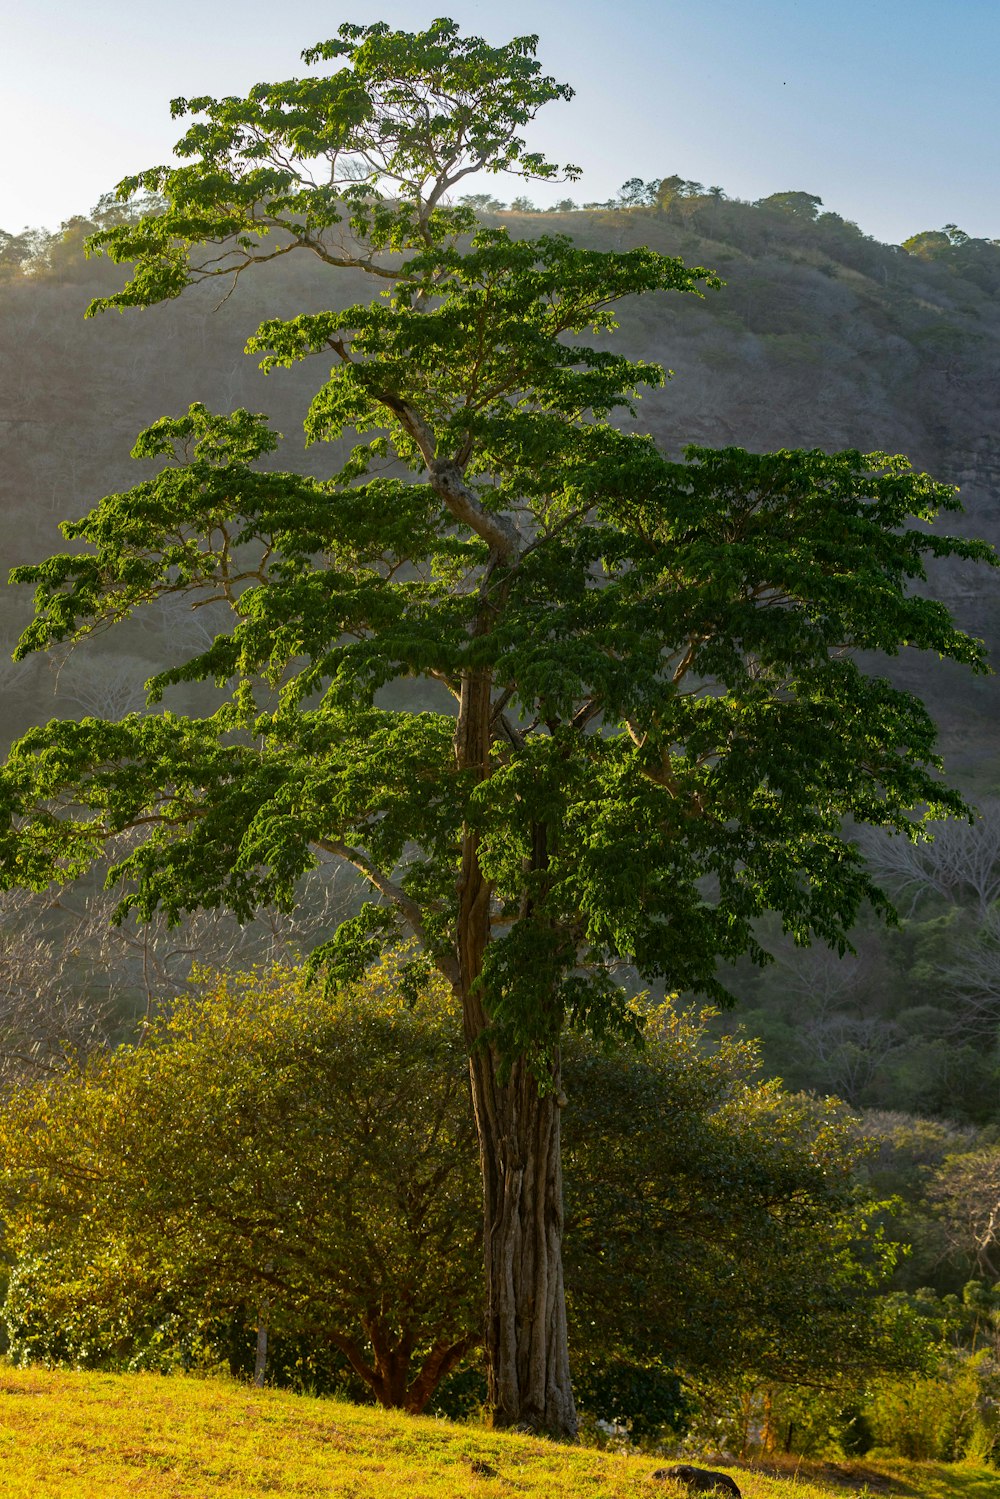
x=768 y=1440
x=527 y=1354
x=260 y=1358
x=387 y=1372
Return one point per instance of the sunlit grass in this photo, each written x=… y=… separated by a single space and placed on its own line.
x=79 y=1436
x=944 y=1480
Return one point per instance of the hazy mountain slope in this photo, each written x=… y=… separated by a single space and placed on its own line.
x=820 y=337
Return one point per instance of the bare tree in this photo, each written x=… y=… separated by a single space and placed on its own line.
x=971 y=983
x=103 y=686
x=186 y=621
x=824 y=982
x=851 y=1051
x=14 y=675
x=961 y=863
x=71 y=981
x=966 y=1190
x=45 y=1013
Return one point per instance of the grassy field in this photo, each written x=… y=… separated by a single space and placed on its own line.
x=80 y=1436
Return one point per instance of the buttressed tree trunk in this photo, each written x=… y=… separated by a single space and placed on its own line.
x=526 y=1346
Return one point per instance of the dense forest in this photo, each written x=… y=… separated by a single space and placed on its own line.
x=819 y=337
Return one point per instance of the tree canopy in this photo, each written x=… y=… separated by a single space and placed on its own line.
x=717 y=1226
x=697 y=714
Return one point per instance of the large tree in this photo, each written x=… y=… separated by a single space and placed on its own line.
x=658 y=723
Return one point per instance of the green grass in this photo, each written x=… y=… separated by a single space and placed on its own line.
x=100 y=1436
x=944 y=1480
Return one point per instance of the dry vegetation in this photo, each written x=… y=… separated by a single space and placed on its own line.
x=79 y=1436
x=820 y=337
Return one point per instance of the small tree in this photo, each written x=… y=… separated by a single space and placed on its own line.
x=306 y=1159
x=800 y=205
x=934 y=244
x=635 y=193
x=966 y=1192
x=716 y=1226
x=658 y=722
x=959 y=864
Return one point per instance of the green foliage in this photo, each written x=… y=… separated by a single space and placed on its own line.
x=21 y=252
x=945 y=1409
x=266 y=1152
x=802 y=205
x=646 y=1401
x=760 y=1420
x=411 y=114
x=736 y=732
x=934 y=244
x=664 y=648
x=948 y=1418
x=270 y=1151
x=727 y=1217
x=635 y=193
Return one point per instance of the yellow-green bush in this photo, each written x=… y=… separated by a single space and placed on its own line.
x=949 y=1417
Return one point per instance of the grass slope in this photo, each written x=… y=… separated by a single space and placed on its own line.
x=79 y=1436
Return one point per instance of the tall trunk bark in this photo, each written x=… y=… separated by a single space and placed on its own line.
x=527 y=1356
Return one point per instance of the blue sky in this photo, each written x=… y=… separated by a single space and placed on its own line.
x=887 y=109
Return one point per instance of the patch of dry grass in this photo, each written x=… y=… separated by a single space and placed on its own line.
x=70 y=1435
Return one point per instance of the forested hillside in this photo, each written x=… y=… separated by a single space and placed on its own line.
x=820 y=337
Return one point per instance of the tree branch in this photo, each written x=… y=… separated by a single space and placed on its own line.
x=450 y=486
x=407 y=907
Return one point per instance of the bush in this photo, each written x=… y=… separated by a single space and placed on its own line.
x=942 y=1419
x=270 y=1153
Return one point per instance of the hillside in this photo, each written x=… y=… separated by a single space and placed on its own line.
x=79 y=1436
x=820 y=337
